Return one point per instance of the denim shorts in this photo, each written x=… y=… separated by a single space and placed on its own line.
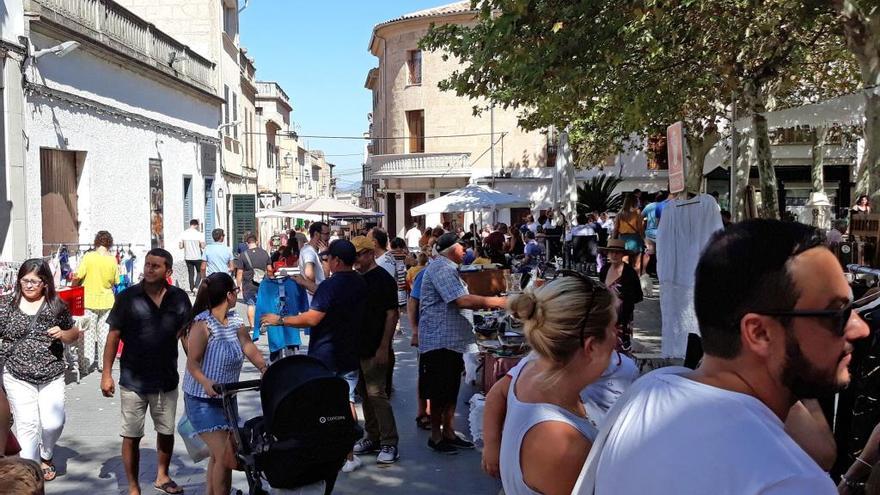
x=206 y=415
x=350 y=377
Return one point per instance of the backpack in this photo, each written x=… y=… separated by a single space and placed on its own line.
x=259 y=274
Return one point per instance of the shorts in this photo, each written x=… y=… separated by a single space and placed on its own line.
x=350 y=377
x=163 y=411
x=249 y=298
x=633 y=242
x=204 y=414
x=440 y=376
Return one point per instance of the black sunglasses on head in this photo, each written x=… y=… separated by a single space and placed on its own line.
x=592 y=285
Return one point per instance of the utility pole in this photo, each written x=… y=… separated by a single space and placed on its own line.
x=492 y=142
x=733 y=204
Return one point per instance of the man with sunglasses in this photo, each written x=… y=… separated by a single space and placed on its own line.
x=775 y=313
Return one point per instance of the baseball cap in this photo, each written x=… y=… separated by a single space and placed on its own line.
x=362 y=243
x=446 y=240
x=343 y=250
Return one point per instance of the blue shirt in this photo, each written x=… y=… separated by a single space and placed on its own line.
x=443 y=325
x=650 y=212
x=223 y=356
x=217 y=256
x=334 y=341
x=281 y=297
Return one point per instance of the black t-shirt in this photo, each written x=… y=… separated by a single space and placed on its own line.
x=149 y=334
x=381 y=296
x=334 y=341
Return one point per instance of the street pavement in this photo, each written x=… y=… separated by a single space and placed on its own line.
x=88 y=453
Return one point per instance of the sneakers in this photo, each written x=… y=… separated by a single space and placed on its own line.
x=442 y=447
x=366 y=446
x=459 y=442
x=388 y=455
x=351 y=465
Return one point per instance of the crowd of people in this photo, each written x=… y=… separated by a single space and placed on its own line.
x=572 y=417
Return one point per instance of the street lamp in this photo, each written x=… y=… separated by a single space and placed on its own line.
x=59 y=50
x=288 y=160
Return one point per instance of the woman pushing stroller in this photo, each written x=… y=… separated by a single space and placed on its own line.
x=217 y=344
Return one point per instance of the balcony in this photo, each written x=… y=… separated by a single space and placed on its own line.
x=271 y=90
x=111 y=25
x=421 y=165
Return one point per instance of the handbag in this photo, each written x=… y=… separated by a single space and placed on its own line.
x=30 y=330
x=259 y=274
x=195 y=446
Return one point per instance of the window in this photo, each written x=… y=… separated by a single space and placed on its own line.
x=414 y=63
x=226 y=108
x=415 y=120
x=235 y=115
x=230 y=20
x=246 y=136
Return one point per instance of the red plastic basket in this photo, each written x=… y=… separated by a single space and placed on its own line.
x=74 y=297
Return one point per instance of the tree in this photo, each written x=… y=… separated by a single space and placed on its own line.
x=597 y=194
x=861 y=24
x=615 y=70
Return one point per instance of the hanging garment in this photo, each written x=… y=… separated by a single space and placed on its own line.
x=281 y=297
x=685 y=228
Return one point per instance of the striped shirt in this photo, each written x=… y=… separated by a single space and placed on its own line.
x=223 y=354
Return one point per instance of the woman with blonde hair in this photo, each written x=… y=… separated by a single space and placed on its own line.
x=547 y=432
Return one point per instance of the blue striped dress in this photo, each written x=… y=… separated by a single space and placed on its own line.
x=223 y=355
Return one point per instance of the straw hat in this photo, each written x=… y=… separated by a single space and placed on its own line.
x=615 y=245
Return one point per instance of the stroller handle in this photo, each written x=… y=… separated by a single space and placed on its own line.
x=224 y=388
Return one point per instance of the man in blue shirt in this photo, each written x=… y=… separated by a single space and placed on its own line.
x=217 y=258
x=445 y=334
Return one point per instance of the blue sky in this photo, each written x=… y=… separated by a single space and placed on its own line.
x=317 y=51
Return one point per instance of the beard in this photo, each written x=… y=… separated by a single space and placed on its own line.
x=805 y=380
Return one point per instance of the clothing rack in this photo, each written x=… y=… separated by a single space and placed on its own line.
x=8 y=276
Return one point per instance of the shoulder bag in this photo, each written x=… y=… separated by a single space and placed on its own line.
x=259 y=274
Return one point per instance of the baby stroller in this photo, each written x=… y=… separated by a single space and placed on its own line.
x=306 y=430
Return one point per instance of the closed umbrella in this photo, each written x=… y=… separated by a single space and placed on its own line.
x=563 y=189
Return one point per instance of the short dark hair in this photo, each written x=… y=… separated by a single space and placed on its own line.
x=161 y=253
x=250 y=237
x=316 y=228
x=103 y=238
x=745 y=269
x=381 y=237
x=398 y=243
x=217 y=234
x=193 y=222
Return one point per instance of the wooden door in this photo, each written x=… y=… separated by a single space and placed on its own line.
x=58 y=198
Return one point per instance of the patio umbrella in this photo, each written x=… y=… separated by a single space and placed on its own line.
x=279 y=214
x=326 y=206
x=563 y=189
x=471 y=198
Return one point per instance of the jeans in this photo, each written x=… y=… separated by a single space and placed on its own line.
x=39 y=415
x=378 y=415
x=194 y=270
x=95 y=328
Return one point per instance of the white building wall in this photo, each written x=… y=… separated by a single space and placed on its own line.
x=115 y=152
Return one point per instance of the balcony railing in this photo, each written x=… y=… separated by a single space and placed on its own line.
x=421 y=165
x=271 y=90
x=110 y=24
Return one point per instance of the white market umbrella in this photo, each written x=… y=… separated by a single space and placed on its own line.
x=279 y=214
x=563 y=189
x=470 y=198
x=326 y=206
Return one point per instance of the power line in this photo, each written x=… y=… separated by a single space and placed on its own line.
x=370 y=138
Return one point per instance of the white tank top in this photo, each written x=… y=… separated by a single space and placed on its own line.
x=521 y=417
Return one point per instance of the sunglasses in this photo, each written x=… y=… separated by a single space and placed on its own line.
x=592 y=285
x=838 y=317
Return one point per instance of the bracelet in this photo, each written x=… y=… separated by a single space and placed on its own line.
x=850 y=483
x=870 y=466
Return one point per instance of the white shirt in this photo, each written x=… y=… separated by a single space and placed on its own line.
x=387 y=262
x=582 y=230
x=192 y=239
x=533 y=226
x=670 y=435
x=308 y=255
x=413 y=236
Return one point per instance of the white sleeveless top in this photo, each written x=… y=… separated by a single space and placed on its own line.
x=521 y=417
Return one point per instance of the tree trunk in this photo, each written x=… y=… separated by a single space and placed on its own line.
x=698 y=147
x=761 y=134
x=817 y=150
x=861 y=23
x=742 y=169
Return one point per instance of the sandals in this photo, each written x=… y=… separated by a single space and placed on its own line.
x=424 y=422
x=49 y=472
x=169 y=487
